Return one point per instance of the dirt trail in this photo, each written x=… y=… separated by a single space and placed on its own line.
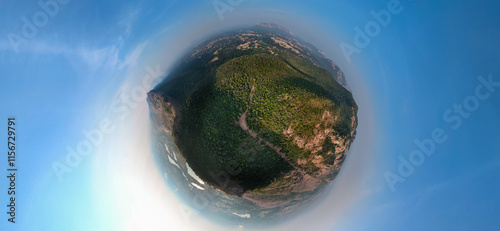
x=243 y=118
x=242 y=122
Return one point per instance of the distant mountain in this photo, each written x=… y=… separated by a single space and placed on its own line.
x=321 y=59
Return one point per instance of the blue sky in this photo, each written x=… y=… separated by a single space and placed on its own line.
x=89 y=63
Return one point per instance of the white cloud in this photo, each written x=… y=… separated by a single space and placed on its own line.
x=132 y=58
x=107 y=57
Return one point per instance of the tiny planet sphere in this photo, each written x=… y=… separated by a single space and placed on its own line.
x=252 y=124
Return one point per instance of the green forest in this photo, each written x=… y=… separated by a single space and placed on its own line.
x=289 y=91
